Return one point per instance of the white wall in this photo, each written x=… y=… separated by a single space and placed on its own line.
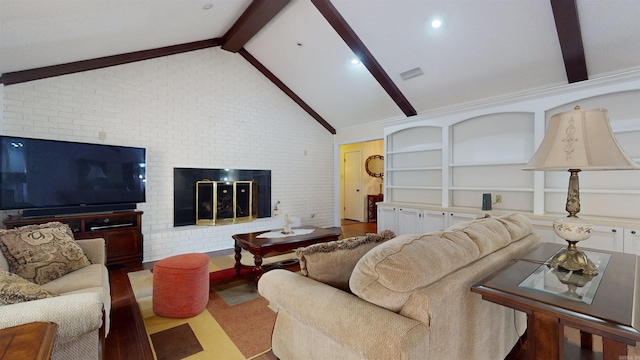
x=204 y=109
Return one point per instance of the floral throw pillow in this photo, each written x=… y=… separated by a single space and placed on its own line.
x=333 y=262
x=41 y=253
x=14 y=289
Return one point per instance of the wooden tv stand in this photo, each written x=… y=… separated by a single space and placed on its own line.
x=120 y=230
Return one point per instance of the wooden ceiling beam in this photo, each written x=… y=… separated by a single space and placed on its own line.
x=245 y=54
x=565 y=13
x=103 y=62
x=347 y=34
x=254 y=18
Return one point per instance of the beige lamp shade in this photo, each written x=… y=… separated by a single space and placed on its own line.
x=580 y=139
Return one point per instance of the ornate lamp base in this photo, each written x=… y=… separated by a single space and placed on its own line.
x=573 y=229
x=573 y=259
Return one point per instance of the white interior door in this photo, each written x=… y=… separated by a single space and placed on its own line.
x=353 y=208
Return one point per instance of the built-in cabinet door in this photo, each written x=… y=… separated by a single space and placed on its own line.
x=409 y=221
x=403 y=220
x=605 y=238
x=455 y=218
x=387 y=219
x=433 y=220
x=632 y=241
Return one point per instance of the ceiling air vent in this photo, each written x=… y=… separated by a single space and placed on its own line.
x=411 y=73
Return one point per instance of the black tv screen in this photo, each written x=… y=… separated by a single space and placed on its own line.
x=49 y=174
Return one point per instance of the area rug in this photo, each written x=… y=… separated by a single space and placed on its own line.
x=236 y=324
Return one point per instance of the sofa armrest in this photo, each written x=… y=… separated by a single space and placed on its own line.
x=94 y=249
x=75 y=314
x=344 y=317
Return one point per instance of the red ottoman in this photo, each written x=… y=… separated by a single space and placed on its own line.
x=181 y=285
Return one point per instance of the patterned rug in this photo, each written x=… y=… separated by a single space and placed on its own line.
x=236 y=324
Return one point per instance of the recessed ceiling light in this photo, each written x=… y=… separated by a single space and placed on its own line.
x=207 y=7
x=355 y=61
x=436 y=23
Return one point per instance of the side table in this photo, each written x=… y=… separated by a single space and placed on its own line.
x=28 y=341
x=372 y=207
x=612 y=313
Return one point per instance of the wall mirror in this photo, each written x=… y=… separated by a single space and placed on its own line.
x=375 y=166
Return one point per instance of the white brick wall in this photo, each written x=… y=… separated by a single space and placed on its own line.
x=203 y=109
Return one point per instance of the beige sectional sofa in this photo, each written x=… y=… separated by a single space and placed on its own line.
x=407 y=298
x=80 y=304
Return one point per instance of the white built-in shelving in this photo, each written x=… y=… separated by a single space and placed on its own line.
x=413 y=165
x=447 y=163
x=487 y=156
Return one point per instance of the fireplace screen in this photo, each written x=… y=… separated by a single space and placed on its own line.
x=226 y=202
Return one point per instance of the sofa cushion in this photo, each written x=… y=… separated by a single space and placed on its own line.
x=517 y=225
x=90 y=279
x=41 y=253
x=388 y=274
x=488 y=234
x=87 y=277
x=14 y=289
x=332 y=262
x=508 y=228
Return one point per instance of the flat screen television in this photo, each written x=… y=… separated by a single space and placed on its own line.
x=50 y=177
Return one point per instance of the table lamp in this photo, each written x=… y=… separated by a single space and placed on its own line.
x=578 y=140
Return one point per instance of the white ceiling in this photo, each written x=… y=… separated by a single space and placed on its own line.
x=485 y=48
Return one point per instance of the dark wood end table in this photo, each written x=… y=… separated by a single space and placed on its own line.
x=260 y=247
x=613 y=313
x=372 y=207
x=28 y=341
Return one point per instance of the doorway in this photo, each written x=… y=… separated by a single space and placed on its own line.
x=353 y=204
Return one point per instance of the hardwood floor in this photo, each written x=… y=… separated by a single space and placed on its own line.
x=127 y=338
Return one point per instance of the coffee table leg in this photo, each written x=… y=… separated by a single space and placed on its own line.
x=257 y=269
x=238 y=256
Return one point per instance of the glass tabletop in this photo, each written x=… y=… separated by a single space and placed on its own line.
x=569 y=284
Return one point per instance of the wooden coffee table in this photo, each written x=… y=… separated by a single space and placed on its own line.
x=612 y=314
x=260 y=247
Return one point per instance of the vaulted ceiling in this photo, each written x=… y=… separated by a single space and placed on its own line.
x=484 y=48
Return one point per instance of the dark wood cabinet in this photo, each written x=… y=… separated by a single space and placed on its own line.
x=372 y=207
x=120 y=230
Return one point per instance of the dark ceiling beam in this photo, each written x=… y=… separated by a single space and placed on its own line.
x=347 y=34
x=253 y=61
x=103 y=62
x=565 y=13
x=254 y=18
